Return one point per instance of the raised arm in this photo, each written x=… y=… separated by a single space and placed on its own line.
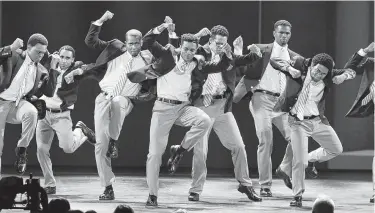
x=354 y=62
x=92 y=39
x=6 y=52
x=150 y=43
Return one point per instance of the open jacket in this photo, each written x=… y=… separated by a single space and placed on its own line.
x=294 y=86
x=363 y=66
x=254 y=72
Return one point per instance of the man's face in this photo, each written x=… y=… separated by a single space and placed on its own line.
x=66 y=59
x=36 y=52
x=282 y=34
x=188 y=50
x=217 y=43
x=318 y=72
x=133 y=44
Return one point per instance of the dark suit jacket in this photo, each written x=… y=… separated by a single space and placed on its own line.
x=254 y=72
x=229 y=76
x=294 y=86
x=10 y=63
x=109 y=51
x=165 y=63
x=366 y=69
x=67 y=92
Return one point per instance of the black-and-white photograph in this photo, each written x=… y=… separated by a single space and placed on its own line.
x=187 y=106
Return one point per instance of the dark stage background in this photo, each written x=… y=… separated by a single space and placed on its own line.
x=338 y=28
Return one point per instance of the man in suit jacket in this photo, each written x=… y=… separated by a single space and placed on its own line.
x=115 y=101
x=304 y=100
x=60 y=97
x=364 y=103
x=179 y=84
x=216 y=102
x=264 y=85
x=20 y=78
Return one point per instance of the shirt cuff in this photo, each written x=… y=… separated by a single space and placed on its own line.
x=156 y=31
x=361 y=53
x=173 y=35
x=97 y=23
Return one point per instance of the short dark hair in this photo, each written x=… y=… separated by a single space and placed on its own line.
x=189 y=38
x=282 y=23
x=323 y=59
x=323 y=205
x=123 y=209
x=219 y=30
x=59 y=205
x=37 y=38
x=68 y=48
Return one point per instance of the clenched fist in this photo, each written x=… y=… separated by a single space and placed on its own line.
x=18 y=43
x=106 y=16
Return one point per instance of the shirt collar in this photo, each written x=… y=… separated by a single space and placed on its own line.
x=130 y=56
x=28 y=60
x=276 y=45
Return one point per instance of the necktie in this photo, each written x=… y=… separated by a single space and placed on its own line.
x=22 y=89
x=122 y=80
x=282 y=78
x=302 y=99
x=370 y=96
x=211 y=84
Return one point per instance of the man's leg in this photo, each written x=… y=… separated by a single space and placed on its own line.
x=229 y=134
x=261 y=107
x=120 y=107
x=44 y=137
x=69 y=140
x=163 y=117
x=5 y=107
x=300 y=132
x=330 y=144
x=26 y=114
x=199 y=122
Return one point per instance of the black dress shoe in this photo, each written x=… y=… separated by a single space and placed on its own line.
x=285 y=177
x=152 y=200
x=21 y=160
x=108 y=194
x=193 y=196
x=296 y=202
x=265 y=192
x=50 y=190
x=311 y=171
x=174 y=160
x=249 y=191
x=87 y=132
x=112 y=151
x=372 y=199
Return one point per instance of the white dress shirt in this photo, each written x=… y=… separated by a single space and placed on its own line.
x=315 y=95
x=271 y=77
x=176 y=85
x=218 y=80
x=24 y=79
x=55 y=102
x=114 y=70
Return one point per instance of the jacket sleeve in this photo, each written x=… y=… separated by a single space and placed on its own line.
x=5 y=53
x=150 y=43
x=92 y=39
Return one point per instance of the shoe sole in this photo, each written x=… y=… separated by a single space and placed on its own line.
x=299 y=206
x=193 y=199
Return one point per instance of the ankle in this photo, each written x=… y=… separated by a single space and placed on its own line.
x=109 y=187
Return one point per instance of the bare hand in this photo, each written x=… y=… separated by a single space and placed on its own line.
x=369 y=48
x=69 y=78
x=238 y=43
x=55 y=60
x=294 y=72
x=18 y=43
x=107 y=16
x=339 y=79
x=255 y=49
x=168 y=20
x=203 y=32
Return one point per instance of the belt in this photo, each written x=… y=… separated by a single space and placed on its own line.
x=166 y=100
x=57 y=110
x=267 y=92
x=304 y=117
x=217 y=96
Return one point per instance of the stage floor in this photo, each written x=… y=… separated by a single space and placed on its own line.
x=350 y=191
